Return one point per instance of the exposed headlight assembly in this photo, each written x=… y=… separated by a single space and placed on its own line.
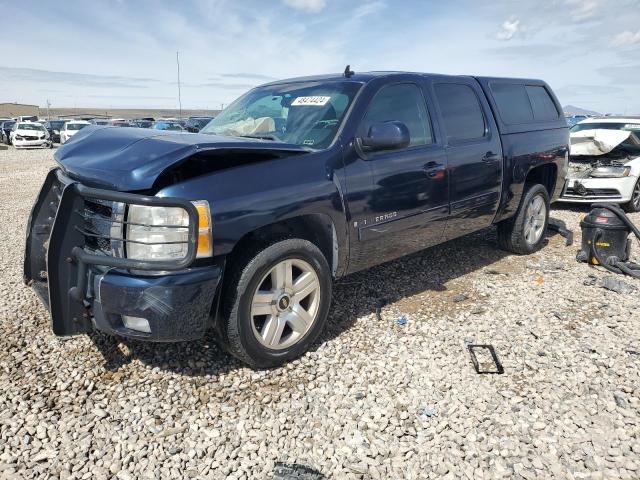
x=162 y=233
x=610 y=172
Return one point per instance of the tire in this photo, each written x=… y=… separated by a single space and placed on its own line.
x=514 y=234
x=269 y=329
x=633 y=205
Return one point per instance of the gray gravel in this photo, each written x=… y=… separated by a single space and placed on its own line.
x=377 y=398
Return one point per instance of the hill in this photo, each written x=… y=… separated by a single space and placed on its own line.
x=573 y=110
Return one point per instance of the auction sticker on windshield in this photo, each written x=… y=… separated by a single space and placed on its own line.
x=317 y=101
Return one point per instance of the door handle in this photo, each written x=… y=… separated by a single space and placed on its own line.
x=432 y=169
x=489 y=156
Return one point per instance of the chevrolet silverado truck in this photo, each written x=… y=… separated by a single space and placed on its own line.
x=242 y=228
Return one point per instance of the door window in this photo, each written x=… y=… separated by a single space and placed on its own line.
x=461 y=112
x=401 y=103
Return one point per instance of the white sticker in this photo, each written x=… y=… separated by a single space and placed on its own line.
x=311 y=101
x=632 y=126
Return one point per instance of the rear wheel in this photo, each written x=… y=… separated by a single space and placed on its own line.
x=634 y=204
x=276 y=303
x=524 y=232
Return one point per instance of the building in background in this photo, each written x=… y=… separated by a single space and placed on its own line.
x=12 y=110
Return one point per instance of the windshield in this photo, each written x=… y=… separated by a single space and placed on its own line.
x=167 y=126
x=30 y=126
x=629 y=127
x=302 y=113
x=201 y=122
x=57 y=124
x=76 y=126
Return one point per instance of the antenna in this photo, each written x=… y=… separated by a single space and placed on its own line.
x=348 y=73
x=179 y=94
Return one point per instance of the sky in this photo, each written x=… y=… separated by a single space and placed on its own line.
x=122 y=53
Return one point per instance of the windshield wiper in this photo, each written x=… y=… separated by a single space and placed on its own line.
x=261 y=137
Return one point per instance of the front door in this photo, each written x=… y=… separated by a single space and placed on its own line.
x=403 y=205
x=474 y=155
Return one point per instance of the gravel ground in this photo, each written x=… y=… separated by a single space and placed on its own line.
x=394 y=396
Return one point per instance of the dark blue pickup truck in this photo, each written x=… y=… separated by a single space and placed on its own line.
x=242 y=227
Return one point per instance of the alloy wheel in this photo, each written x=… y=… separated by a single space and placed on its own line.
x=636 y=196
x=535 y=219
x=285 y=304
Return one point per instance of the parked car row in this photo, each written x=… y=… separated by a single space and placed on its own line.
x=30 y=133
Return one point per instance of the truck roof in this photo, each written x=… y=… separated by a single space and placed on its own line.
x=364 y=77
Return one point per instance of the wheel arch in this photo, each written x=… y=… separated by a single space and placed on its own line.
x=317 y=228
x=545 y=175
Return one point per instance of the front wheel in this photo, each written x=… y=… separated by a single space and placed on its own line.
x=524 y=232
x=633 y=205
x=276 y=303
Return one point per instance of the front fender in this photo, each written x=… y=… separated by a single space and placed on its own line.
x=253 y=196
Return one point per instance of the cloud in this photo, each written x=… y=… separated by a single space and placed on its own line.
x=625 y=74
x=311 y=6
x=509 y=28
x=587 y=90
x=369 y=8
x=626 y=38
x=248 y=76
x=532 y=50
x=225 y=85
x=583 y=10
x=70 y=78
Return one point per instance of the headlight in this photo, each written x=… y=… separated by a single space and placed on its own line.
x=610 y=172
x=161 y=233
x=56 y=132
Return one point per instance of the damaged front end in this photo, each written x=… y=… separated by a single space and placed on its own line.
x=74 y=261
x=601 y=166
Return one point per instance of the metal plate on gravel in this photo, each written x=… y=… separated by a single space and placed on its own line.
x=293 y=471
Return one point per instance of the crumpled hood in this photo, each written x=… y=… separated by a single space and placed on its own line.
x=130 y=159
x=599 y=141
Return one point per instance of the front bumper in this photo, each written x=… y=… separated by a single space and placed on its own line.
x=591 y=190
x=176 y=306
x=86 y=287
x=44 y=142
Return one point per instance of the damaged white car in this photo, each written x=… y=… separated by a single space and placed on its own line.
x=604 y=165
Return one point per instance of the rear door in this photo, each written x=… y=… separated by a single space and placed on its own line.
x=474 y=154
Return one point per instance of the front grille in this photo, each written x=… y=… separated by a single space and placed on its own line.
x=29 y=137
x=592 y=192
x=97 y=224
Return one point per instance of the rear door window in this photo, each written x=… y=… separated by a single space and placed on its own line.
x=543 y=106
x=461 y=112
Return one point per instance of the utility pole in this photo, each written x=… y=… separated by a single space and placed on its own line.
x=48 y=105
x=179 y=95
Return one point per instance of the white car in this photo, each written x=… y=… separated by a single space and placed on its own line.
x=29 y=135
x=604 y=162
x=71 y=128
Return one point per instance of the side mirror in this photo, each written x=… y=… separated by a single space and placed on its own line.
x=386 y=136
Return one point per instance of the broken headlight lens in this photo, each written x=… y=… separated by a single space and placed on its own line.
x=610 y=172
x=162 y=233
